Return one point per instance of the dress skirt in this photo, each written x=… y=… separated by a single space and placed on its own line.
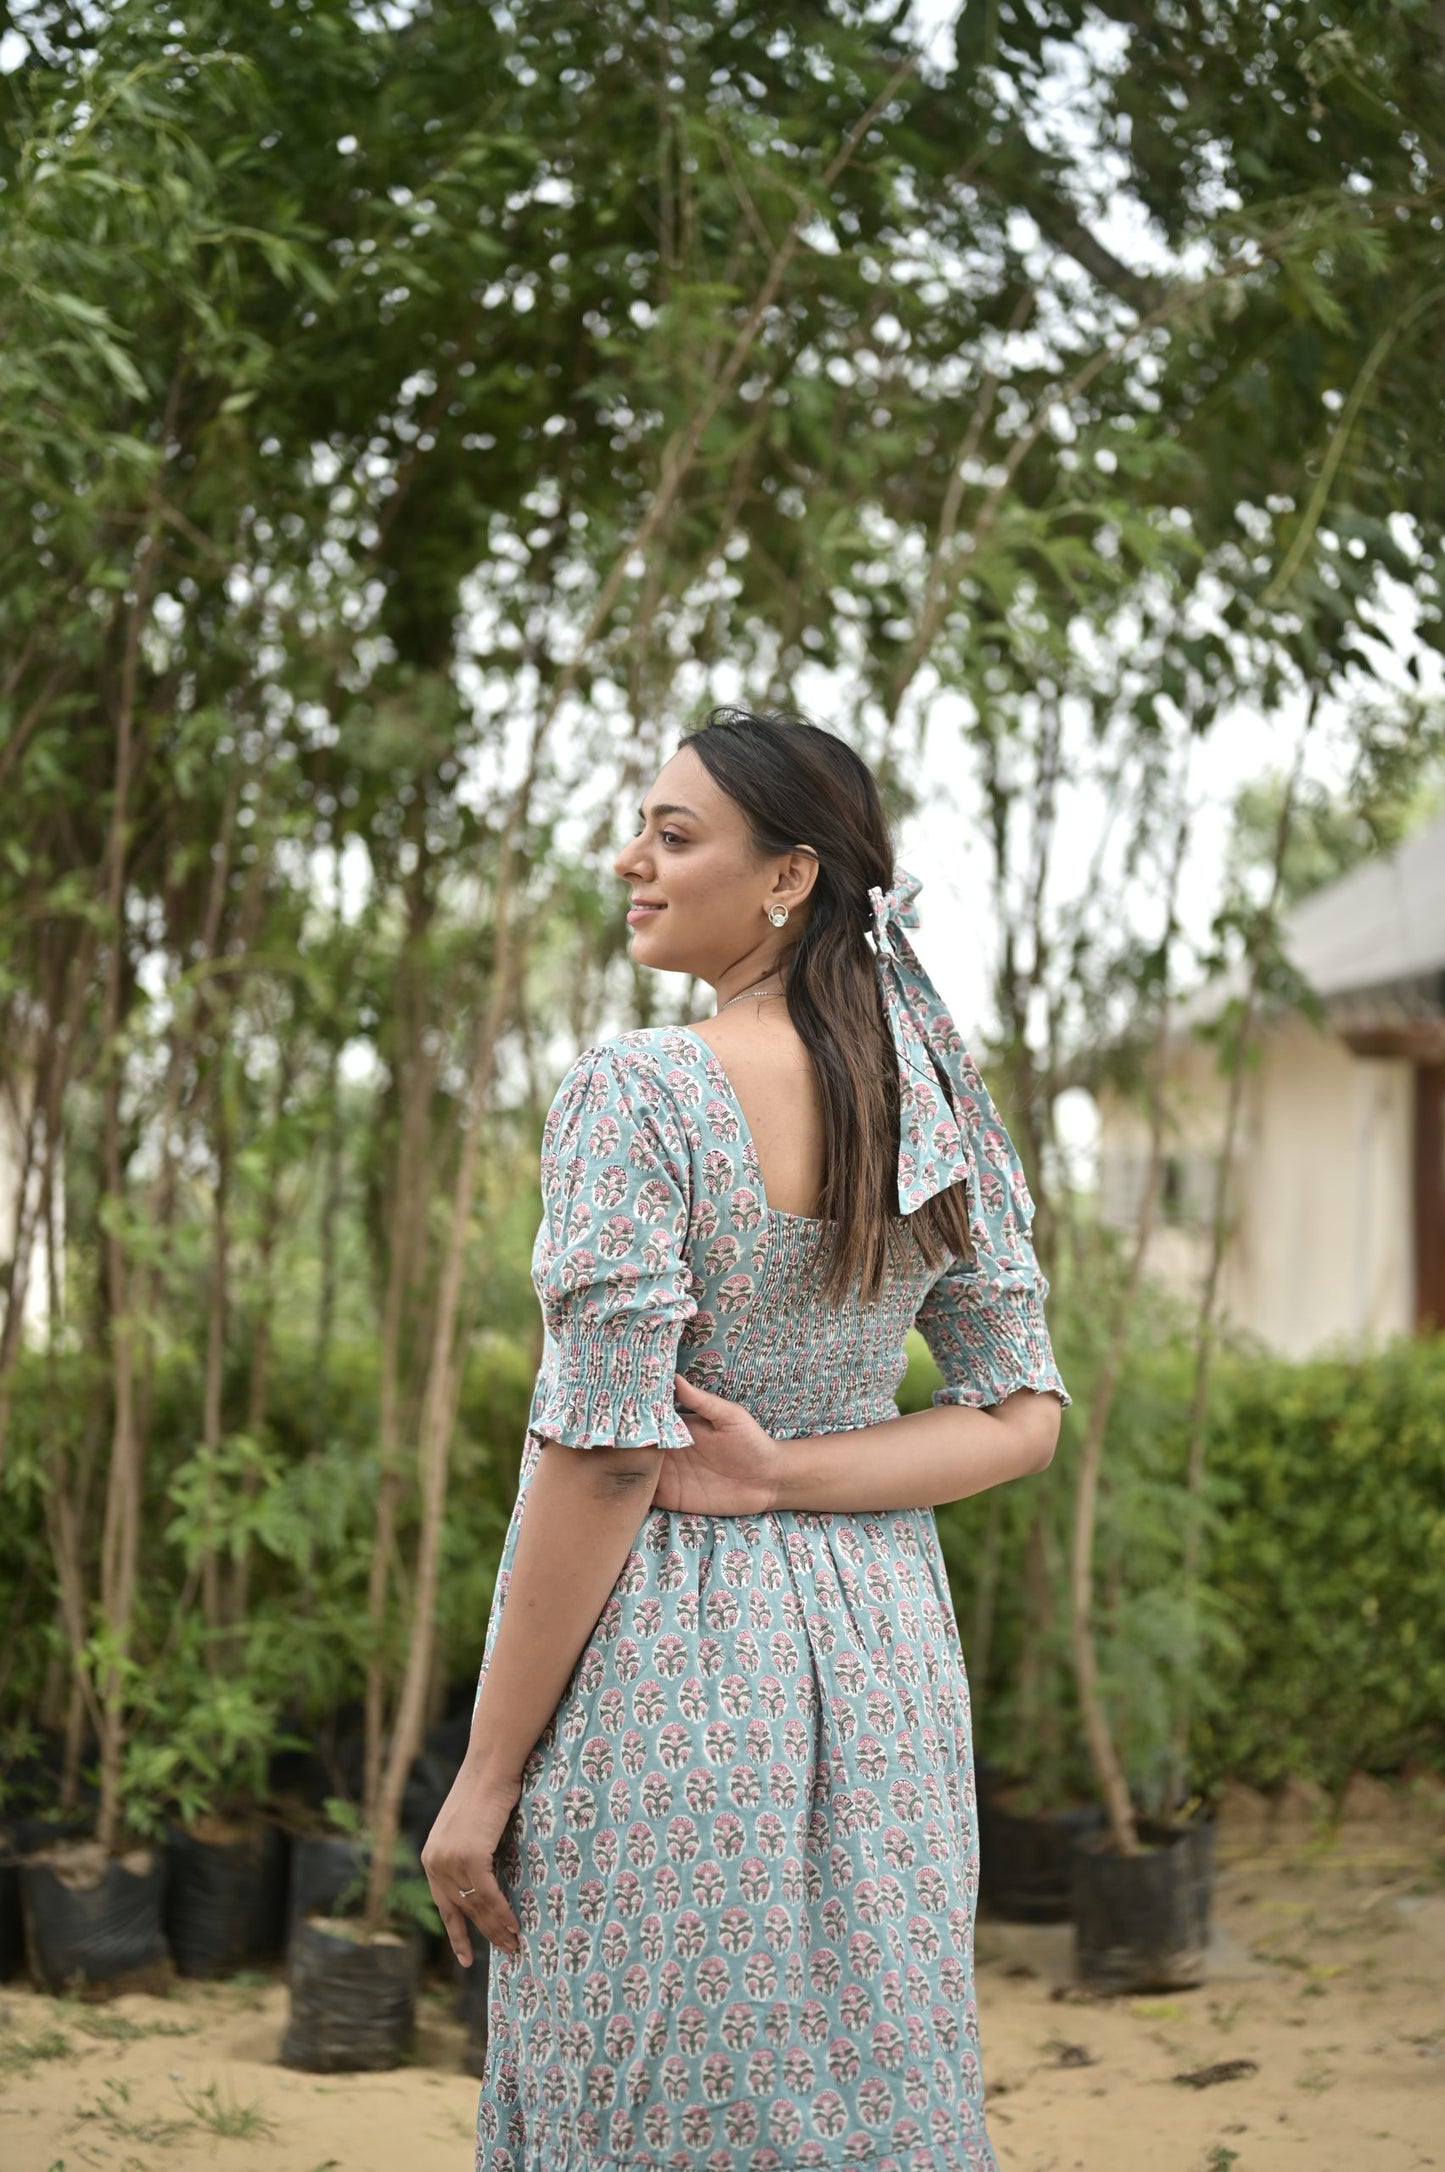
x=745 y=1867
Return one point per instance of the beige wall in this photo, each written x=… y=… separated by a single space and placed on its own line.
x=1321 y=1254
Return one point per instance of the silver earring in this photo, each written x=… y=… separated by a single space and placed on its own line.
x=777 y=914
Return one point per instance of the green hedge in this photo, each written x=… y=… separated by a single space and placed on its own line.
x=1322 y=1629
x=1322 y=1613
x=302 y=1498
x=1329 y=1559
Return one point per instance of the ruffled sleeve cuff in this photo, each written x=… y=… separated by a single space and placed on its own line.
x=611 y=1388
x=995 y=1345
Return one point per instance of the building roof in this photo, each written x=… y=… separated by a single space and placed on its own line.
x=1381 y=924
x=1371 y=945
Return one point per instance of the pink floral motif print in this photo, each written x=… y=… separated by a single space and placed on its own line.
x=745 y=1857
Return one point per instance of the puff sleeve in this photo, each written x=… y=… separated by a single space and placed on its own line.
x=983 y=1318
x=987 y=1344
x=609 y=1265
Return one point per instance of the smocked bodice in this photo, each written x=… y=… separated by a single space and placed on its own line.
x=801 y=1366
x=658 y=1252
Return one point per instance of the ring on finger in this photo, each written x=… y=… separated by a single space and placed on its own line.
x=465 y=1892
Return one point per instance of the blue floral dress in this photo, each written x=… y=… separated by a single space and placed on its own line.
x=745 y=1858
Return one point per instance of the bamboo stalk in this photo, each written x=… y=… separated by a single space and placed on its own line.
x=213 y=1381
x=237 y=1597
x=416 y=1077
x=435 y=1430
x=120 y=1540
x=1206 y=1324
x=985 y=1598
x=1103 y=1753
x=120 y=1535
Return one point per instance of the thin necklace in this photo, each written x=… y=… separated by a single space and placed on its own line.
x=758 y=996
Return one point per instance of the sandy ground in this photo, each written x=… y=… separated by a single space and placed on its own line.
x=1327 y=1973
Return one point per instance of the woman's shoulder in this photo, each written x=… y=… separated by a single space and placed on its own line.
x=658 y=1067
x=640 y=1052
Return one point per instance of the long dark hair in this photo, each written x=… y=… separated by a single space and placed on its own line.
x=798 y=784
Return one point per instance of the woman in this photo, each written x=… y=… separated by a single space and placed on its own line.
x=717 y=1816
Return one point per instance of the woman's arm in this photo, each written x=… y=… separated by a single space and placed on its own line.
x=583 y=1511
x=920 y=1459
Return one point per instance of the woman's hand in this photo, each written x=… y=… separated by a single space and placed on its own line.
x=731 y=1468
x=459 y=1854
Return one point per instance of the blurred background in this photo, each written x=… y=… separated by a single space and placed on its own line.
x=414 y=417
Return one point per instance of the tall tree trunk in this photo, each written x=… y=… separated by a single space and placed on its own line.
x=120 y=1541
x=985 y=1599
x=69 y=1504
x=333 y=1161
x=1207 y=1321
x=437 y=1425
x=416 y=1081
x=331 y=1193
x=1034 y=1739
x=445 y=1358
x=66 y=990
x=213 y=1389
x=1103 y=1753
x=258 y=1379
x=120 y=1538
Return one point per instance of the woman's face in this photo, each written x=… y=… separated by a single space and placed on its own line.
x=699 y=895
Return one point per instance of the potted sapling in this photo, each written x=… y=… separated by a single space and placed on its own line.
x=93 y=1905
x=1140 y=1888
x=220 y=1682
x=1004 y=1556
x=353 y=1971
x=1036 y=1805
x=225 y=1906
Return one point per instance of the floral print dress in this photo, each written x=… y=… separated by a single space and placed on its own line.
x=745 y=1857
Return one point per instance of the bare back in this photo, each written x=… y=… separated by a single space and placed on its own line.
x=773 y=1078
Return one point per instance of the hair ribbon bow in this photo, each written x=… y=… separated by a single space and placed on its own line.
x=949 y=1131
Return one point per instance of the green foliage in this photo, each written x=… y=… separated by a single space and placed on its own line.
x=213 y=1704
x=1320 y=1648
x=1007 y=1554
x=409 y=1900
x=20 y=2055
x=611 y=353
x=210 y=1722
x=1398 y=784
x=225 y=2115
x=1329 y=1559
